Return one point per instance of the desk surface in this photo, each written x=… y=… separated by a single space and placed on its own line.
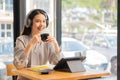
x=57 y=75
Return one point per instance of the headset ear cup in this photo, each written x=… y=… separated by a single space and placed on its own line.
x=28 y=22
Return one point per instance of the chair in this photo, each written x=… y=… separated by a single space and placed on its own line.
x=9 y=70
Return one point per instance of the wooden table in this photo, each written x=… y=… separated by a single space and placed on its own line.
x=58 y=75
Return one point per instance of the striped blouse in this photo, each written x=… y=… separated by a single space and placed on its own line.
x=40 y=54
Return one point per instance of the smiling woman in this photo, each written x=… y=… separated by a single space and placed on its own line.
x=30 y=50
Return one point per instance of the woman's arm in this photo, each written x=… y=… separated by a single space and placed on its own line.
x=22 y=50
x=20 y=60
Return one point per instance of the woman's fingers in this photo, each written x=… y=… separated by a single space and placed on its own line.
x=50 y=39
x=36 y=39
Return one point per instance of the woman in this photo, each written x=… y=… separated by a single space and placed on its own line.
x=30 y=50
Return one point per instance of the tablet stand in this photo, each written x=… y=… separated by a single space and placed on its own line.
x=75 y=66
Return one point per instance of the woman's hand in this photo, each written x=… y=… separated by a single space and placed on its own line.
x=36 y=39
x=54 y=41
x=51 y=39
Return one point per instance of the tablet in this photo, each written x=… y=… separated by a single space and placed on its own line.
x=70 y=64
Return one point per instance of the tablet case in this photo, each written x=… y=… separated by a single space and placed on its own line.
x=72 y=64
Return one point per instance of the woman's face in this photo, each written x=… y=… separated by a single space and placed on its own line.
x=39 y=23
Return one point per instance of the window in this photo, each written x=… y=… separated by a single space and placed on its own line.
x=6 y=31
x=8 y=27
x=3 y=34
x=6 y=5
x=1 y=4
x=6 y=36
x=2 y=26
x=85 y=20
x=9 y=5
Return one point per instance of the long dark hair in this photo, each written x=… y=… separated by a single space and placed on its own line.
x=29 y=20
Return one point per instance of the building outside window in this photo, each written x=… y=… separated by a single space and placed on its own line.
x=6 y=36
